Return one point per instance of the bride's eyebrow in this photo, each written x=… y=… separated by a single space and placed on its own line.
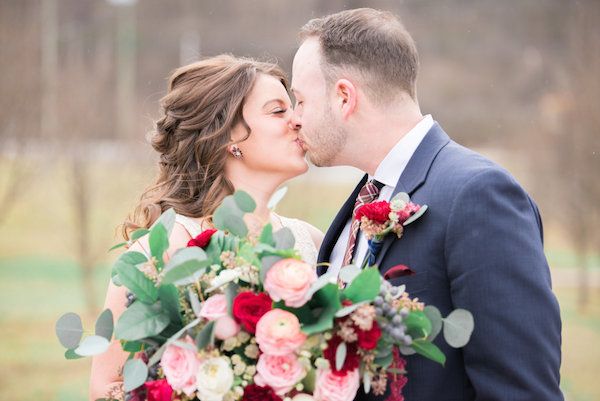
x=273 y=100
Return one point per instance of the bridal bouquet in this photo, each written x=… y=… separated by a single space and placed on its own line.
x=239 y=316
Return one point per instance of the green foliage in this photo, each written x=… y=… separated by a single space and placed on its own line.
x=186 y=266
x=324 y=304
x=365 y=286
x=417 y=325
x=105 y=325
x=69 y=330
x=137 y=282
x=429 y=350
x=141 y=321
x=135 y=373
x=169 y=299
x=458 y=327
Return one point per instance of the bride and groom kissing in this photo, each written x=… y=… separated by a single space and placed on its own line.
x=228 y=123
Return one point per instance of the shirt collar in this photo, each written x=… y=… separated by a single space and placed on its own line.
x=391 y=167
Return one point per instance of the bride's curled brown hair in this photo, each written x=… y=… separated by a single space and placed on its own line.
x=203 y=104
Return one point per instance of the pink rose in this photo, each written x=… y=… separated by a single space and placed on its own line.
x=331 y=387
x=180 y=366
x=278 y=333
x=214 y=307
x=226 y=327
x=280 y=372
x=290 y=280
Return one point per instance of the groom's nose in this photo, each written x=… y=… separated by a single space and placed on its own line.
x=294 y=122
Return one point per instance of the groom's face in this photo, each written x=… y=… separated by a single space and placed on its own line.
x=322 y=136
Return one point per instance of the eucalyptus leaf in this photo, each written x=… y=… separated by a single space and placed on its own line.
x=236 y=225
x=206 y=336
x=70 y=354
x=404 y=350
x=135 y=373
x=349 y=273
x=119 y=245
x=244 y=201
x=140 y=321
x=92 y=345
x=137 y=282
x=154 y=359
x=186 y=266
x=458 y=327
x=266 y=235
x=365 y=287
x=349 y=309
x=167 y=219
x=159 y=243
x=194 y=302
x=401 y=196
x=429 y=350
x=340 y=355
x=230 y=291
x=169 y=299
x=277 y=197
x=69 y=330
x=133 y=258
x=284 y=238
x=327 y=302
x=227 y=209
x=416 y=216
x=435 y=317
x=137 y=234
x=175 y=337
x=105 y=325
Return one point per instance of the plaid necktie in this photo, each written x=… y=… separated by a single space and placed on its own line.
x=367 y=194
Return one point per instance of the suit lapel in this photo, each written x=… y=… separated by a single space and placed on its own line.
x=338 y=224
x=415 y=173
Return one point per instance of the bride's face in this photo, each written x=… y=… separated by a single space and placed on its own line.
x=272 y=146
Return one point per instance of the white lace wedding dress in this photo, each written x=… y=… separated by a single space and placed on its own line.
x=304 y=243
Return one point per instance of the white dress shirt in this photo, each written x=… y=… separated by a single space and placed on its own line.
x=388 y=173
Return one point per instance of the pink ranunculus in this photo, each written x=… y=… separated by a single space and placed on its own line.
x=278 y=333
x=280 y=372
x=332 y=387
x=226 y=327
x=290 y=280
x=180 y=366
x=214 y=307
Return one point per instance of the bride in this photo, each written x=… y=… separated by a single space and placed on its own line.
x=226 y=126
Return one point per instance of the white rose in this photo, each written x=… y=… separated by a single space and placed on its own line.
x=214 y=379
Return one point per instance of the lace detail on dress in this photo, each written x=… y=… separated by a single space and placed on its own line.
x=304 y=242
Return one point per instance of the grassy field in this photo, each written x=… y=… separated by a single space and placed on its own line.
x=40 y=279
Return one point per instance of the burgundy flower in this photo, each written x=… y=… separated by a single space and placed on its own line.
x=350 y=363
x=398 y=271
x=158 y=390
x=253 y=392
x=377 y=212
x=367 y=339
x=249 y=307
x=203 y=239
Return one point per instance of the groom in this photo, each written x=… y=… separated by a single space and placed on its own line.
x=478 y=247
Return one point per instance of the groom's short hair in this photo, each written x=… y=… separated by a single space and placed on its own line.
x=374 y=43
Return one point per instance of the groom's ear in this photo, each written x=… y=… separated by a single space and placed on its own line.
x=345 y=97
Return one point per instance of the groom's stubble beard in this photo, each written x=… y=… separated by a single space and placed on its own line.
x=327 y=139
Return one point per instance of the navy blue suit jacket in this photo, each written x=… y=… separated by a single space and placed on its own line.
x=478 y=247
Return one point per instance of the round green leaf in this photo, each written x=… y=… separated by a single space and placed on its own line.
x=244 y=201
x=141 y=321
x=132 y=278
x=92 y=345
x=104 y=324
x=69 y=330
x=435 y=317
x=458 y=327
x=185 y=267
x=284 y=238
x=135 y=373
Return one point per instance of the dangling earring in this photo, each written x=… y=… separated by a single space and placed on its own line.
x=236 y=152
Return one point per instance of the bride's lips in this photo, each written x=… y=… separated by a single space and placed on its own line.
x=301 y=143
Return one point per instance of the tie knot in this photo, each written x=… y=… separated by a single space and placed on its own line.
x=368 y=193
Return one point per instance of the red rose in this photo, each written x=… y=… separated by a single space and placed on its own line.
x=367 y=339
x=249 y=307
x=350 y=363
x=378 y=212
x=203 y=239
x=252 y=392
x=158 y=390
x=408 y=211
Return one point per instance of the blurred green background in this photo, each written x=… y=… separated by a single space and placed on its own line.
x=80 y=82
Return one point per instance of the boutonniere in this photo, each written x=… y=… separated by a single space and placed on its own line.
x=378 y=219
